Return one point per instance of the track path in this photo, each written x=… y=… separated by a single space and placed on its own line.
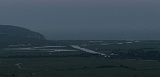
x=88 y=50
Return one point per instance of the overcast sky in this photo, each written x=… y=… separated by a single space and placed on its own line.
x=85 y=19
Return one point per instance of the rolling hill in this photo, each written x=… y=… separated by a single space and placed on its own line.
x=10 y=35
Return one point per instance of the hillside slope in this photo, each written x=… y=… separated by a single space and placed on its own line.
x=17 y=35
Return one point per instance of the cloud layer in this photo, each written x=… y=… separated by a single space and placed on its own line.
x=85 y=19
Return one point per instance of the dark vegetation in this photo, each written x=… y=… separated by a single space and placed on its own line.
x=77 y=67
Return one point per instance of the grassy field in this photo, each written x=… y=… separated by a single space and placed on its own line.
x=77 y=67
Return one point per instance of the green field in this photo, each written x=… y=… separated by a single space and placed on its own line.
x=77 y=67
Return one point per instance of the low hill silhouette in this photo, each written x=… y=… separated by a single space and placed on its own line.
x=10 y=35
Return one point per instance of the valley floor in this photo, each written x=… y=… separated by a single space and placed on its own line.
x=78 y=67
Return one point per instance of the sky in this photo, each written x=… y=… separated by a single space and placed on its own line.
x=85 y=19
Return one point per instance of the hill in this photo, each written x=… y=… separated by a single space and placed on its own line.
x=10 y=35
